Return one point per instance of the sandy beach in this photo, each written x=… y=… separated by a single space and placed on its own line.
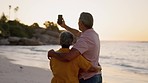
x=13 y=71
x=25 y=69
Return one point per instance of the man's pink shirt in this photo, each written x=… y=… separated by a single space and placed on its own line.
x=88 y=45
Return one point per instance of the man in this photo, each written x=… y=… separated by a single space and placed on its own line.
x=87 y=45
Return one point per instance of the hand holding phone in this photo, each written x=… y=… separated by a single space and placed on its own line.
x=60 y=19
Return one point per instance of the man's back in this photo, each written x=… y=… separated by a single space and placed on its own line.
x=89 y=45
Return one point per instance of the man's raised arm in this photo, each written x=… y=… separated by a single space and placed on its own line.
x=72 y=30
x=76 y=32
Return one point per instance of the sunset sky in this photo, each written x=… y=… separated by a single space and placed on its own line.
x=125 y=20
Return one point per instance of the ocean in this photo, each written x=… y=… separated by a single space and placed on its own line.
x=131 y=56
x=128 y=56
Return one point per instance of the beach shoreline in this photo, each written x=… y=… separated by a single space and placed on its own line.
x=26 y=69
x=116 y=75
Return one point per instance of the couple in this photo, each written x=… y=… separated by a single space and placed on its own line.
x=88 y=46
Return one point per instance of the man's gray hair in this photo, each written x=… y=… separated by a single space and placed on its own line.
x=87 y=19
x=66 y=38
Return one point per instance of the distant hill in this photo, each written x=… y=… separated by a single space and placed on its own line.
x=12 y=32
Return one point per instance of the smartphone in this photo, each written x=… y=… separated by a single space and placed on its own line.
x=60 y=19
